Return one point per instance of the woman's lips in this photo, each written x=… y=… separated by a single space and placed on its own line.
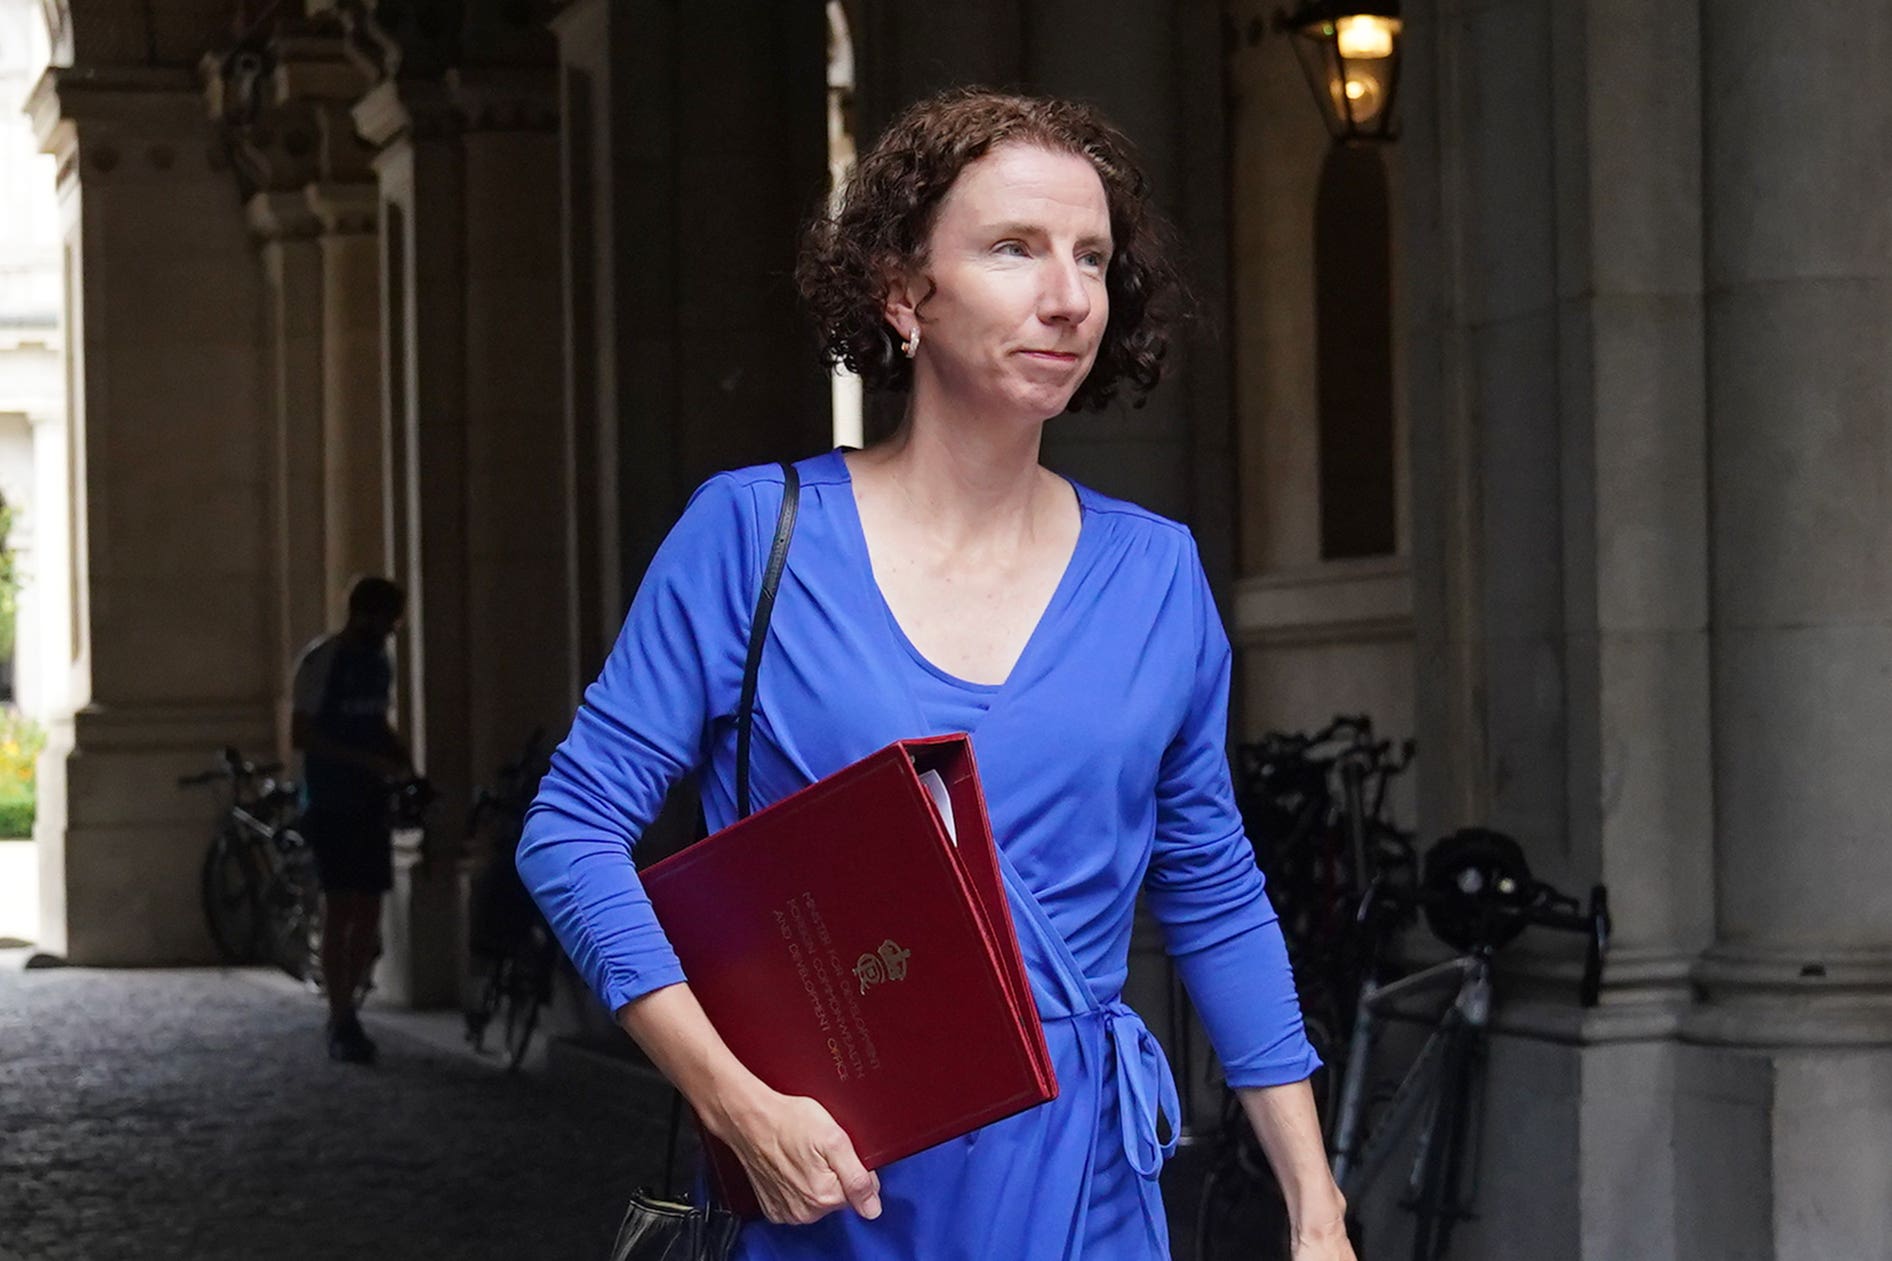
x=1050 y=356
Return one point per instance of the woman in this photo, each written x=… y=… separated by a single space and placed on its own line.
x=994 y=260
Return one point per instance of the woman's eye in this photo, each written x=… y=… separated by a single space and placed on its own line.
x=1091 y=258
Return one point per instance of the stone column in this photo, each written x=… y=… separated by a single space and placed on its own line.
x=296 y=158
x=1798 y=215
x=685 y=359
x=1559 y=499
x=353 y=446
x=174 y=648
x=292 y=271
x=1799 y=226
x=421 y=177
x=592 y=41
x=516 y=498
x=1554 y=339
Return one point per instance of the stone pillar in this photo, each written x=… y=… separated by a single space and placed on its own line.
x=296 y=160
x=589 y=36
x=174 y=648
x=685 y=359
x=1799 y=223
x=1798 y=215
x=516 y=498
x=353 y=446
x=292 y=272
x=419 y=169
x=1559 y=499
x=1554 y=339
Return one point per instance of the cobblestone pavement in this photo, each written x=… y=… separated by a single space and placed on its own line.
x=159 y=1115
x=148 y=1115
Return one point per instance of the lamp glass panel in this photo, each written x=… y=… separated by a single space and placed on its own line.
x=1365 y=36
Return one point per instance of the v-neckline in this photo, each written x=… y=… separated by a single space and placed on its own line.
x=1060 y=594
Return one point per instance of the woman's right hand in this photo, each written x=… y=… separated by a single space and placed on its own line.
x=800 y=1162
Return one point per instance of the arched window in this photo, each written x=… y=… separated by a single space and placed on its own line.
x=1354 y=324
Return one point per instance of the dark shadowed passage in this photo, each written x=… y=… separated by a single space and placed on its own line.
x=174 y=1114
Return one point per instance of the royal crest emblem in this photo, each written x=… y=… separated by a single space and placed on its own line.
x=889 y=963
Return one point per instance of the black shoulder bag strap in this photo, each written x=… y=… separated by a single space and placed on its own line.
x=759 y=630
x=745 y=717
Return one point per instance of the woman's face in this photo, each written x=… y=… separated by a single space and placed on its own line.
x=1018 y=255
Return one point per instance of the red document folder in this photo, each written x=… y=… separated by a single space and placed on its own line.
x=847 y=949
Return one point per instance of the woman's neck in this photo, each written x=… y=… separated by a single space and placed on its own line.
x=969 y=480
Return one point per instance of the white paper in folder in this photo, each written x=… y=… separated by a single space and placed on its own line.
x=936 y=789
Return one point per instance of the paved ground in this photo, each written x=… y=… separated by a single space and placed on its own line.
x=194 y=1114
x=160 y=1114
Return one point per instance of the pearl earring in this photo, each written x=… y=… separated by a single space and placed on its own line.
x=911 y=345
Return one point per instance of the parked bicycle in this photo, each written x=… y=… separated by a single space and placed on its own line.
x=262 y=896
x=262 y=902
x=515 y=955
x=1477 y=897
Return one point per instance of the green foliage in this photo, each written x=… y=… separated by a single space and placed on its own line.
x=16 y=817
x=9 y=582
x=20 y=742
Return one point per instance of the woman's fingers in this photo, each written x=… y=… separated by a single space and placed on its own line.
x=861 y=1187
x=803 y=1165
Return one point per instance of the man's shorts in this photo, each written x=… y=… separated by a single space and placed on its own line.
x=354 y=851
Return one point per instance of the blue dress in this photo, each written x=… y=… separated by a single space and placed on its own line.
x=1105 y=772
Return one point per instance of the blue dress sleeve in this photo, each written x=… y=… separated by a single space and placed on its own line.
x=1204 y=886
x=675 y=670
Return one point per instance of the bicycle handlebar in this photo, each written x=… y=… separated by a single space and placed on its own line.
x=1541 y=906
x=232 y=766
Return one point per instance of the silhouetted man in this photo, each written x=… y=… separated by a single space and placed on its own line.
x=349 y=754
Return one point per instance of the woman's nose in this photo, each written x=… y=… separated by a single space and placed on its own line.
x=1064 y=297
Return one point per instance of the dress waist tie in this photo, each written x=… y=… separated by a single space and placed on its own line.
x=1145 y=1084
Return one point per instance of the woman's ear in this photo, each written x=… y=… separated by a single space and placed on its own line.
x=899 y=308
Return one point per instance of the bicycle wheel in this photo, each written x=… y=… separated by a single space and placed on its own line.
x=293 y=906
x=525 y=983
x=230 y=885
x=480 y=1015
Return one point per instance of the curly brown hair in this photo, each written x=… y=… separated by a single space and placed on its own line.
x=886 y=217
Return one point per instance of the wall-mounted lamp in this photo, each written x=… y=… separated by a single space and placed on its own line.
x=1350 y=51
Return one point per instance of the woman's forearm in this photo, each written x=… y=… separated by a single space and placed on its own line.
x=670 y=1026
x=1285 y=1120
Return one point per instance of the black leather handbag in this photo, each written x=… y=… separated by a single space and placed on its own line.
x=657 y=1229
x=661 y=1227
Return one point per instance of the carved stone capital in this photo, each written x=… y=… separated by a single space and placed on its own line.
x=122 y=122
x=313 y=65
x=506 y=98
x=406 y=110
x=283 y=105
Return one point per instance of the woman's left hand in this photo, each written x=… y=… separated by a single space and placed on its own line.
x=1325 y=1241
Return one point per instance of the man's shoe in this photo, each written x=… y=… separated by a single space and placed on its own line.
x=349 y=1043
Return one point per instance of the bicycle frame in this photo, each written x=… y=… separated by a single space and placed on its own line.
x=1354 y=1160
